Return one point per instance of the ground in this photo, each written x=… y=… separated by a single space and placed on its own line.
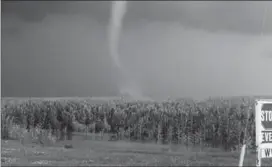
x=89 y=152
x=86 y=151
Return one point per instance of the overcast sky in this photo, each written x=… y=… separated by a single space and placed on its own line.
x=195 y=49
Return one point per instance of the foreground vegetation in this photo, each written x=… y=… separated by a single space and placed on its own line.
x=96 y=153
x=214 y=122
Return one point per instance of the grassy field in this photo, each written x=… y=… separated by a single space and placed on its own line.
x=85 y=150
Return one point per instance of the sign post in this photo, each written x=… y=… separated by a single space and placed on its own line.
x=263 y=121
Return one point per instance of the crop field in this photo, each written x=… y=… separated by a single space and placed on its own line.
x=112 y=131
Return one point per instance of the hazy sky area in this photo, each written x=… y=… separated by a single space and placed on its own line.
x=195 y=49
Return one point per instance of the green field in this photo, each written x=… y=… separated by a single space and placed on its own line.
x=88 y=152
x=91 y=149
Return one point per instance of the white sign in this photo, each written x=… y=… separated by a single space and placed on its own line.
x=263 y=120
x=266 y=153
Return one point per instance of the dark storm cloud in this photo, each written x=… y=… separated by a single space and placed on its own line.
x=176 y=49
x=242 y=16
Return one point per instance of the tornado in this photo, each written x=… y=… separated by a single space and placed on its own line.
x=130 y=86
x=118 y=12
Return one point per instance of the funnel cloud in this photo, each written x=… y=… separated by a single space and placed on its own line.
x=117 y=15
x=168 y=49
x=118 y=12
